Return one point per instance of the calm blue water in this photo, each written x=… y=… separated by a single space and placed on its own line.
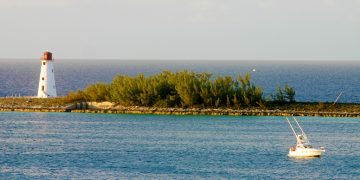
x=313 y=80
x=95 y=146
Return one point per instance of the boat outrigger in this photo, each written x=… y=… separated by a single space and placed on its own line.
x=303 y=147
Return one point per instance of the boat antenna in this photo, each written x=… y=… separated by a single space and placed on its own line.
x=297 y=138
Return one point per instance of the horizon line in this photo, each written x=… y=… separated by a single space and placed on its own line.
x=194 y=59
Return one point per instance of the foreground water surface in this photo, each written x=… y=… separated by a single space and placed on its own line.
x=103 y=146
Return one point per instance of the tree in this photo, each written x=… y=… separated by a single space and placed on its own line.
x=96 y=92
x=166 y=91
x=126 y=90
x=187 y=86
x=290 y=93
x=286 y=95
x=279 y=96
x=250 y=95
x=205 y=89
x=75 y=96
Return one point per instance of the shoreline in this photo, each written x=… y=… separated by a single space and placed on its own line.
x=109 y=108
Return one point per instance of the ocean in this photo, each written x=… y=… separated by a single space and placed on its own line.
x=107 y=146
x=116 y=146
x=312 y=80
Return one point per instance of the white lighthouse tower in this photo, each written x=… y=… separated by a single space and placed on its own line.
x=47 y=86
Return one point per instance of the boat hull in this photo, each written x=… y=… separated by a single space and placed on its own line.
x=305 y=152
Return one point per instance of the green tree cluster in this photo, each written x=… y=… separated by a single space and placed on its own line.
x=285 y=95
x=180 y=89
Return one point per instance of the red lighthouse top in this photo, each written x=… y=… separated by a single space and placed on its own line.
x=47 y=56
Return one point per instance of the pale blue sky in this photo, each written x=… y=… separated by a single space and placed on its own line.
x=181 y=29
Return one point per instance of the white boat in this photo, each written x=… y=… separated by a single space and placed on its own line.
x=303 y=148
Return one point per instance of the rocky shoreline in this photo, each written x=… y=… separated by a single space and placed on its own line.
x=109 y=108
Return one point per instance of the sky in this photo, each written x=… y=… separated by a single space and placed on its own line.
x=181 y=29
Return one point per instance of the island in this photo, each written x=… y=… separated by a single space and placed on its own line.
x=181 y=93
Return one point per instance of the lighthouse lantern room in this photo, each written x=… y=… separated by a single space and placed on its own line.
x=47 y=86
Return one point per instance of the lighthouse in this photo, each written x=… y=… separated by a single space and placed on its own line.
x=47 y=86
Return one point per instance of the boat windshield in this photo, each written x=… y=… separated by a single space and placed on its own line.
x=307 y=146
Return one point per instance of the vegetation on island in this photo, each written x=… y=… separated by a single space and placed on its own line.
x=184 y=89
